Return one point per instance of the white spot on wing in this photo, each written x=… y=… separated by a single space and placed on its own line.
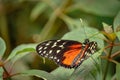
x=58 y=40
x=50 y=51
x=48 y=43
x=41 y=54
x=40 y=51
x=55 y=57
x=44 y=52
x=88 y=54
x=40 y=48
x=53 y=45
x=64 y=43
x=58 y=51
x=51 y=57
x=45 y=47
x=58 y=60
x=47 y=54
x=61 y=46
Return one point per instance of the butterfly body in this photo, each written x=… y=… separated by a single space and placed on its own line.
x=67 y=53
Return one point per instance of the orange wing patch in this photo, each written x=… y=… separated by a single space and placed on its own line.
x=71 y=54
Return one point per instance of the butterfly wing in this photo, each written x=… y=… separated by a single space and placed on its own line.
x=63 y=52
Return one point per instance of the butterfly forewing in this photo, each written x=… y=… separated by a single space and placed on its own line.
x=63 y=52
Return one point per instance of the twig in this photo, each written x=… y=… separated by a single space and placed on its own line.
x=107 y=65
x=115 y=54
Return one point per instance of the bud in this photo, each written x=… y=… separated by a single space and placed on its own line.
x=108 y=32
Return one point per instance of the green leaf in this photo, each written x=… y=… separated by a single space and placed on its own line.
x=2 y=47
x=84 y=70
x=1 y=73
x=107 y=28
x=38 y=9
x=118 y=35
x=116 y=23
x=118 y=71
x=41 y=74
x=62 y=73
x=85 y=32
x=21 y=51
x=97 y=7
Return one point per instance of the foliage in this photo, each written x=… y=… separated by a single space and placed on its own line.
x=24 y=22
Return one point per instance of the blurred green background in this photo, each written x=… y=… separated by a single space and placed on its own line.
x=25 y=21
x=33 y=21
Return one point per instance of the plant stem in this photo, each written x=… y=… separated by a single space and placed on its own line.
x=6 y=72
x=107 y=64
x=4 y=31
x=115 y=54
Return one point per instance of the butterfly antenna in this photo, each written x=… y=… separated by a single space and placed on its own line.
x=82 y=24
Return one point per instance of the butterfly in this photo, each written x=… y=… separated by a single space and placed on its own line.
x=67 y=53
